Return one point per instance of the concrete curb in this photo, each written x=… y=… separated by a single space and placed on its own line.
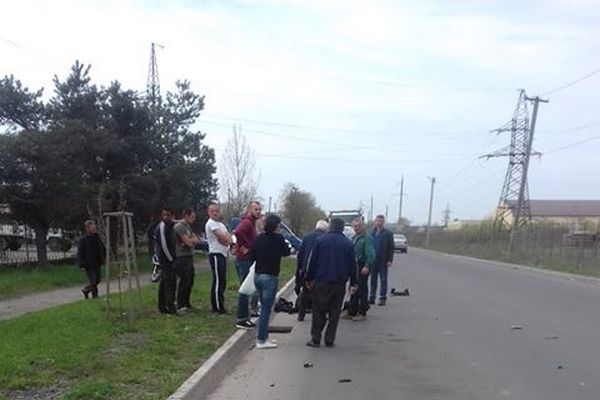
x=212 y=371
x=541 y=271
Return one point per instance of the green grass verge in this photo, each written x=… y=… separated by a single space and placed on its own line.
x=77 y=351
x=19 y=281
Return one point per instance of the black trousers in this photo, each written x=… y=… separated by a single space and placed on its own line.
x=326 y=309
x=93 y=275
x=218 y=265
x=166 y=288
x=359 y=303
x=184 y=267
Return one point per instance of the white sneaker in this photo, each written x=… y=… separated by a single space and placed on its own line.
x=267 y=344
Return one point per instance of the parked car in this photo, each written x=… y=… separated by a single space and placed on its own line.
x=400 y=243
x=293 y=240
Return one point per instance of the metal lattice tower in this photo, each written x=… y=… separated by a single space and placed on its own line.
x=153 y=84
x=514 y=198
x=514 y=209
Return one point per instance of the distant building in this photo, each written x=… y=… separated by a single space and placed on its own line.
x=577 y=214
x=457 y=224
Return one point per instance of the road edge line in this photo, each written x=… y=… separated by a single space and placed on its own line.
x=206 y=378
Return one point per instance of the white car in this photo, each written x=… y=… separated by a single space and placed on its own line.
x=400 y=243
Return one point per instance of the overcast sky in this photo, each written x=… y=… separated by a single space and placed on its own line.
x=345 y=97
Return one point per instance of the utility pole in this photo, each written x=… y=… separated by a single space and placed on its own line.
x=386 y=213
x=269 y=204
x=514 y=209
x=371 y=210
x=427 y=228
x=446 y=215
x=400 y=201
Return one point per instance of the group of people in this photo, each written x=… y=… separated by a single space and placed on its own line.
x=328 y=263
x=254 y=241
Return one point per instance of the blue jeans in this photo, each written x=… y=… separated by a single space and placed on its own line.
x=380 y=271
x=266 y=285
x=243 y=267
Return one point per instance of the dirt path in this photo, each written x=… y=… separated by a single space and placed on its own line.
x=39 y=301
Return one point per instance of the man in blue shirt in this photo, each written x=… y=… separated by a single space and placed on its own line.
x=331 y=265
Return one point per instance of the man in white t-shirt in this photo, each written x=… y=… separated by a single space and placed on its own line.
x=219 y=241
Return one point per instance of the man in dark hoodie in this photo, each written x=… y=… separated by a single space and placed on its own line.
x=165 y=251
x=331 y=265
x=91 y=254
x=245 y=234
x=306 y=248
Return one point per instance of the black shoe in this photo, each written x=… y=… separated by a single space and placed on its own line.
x=371 y=301
x=221 y=312
x=300 y=318
x=381 y=302
x=330 y=344
x=85 y=293
x=247 y=324
x=312 y=343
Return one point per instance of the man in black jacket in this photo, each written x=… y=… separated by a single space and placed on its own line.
x=383 y=240
x=306 y=248
x=90 y=257
x=165 y=251
x=331 y=265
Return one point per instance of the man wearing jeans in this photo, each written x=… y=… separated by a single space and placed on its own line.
x=331 y=265
x=245 y=234
x=383 y=240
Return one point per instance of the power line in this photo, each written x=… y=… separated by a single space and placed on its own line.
x=330 y=143
x=576 y=81
x=573 y=144
x=372 y=160
x=331 y=129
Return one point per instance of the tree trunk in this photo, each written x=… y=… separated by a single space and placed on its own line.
x=40 y=243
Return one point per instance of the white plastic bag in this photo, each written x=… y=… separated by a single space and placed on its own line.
x=247 y=287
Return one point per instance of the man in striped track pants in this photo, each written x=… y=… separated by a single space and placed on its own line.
x=219 y=241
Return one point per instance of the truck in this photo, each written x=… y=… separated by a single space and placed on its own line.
x=347 y=216
x=13 y=235
x=10 y=237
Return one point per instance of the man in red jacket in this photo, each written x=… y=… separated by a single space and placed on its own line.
x=245 y=234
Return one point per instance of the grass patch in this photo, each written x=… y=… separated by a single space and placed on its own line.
x=77 y=349
x=19 y=281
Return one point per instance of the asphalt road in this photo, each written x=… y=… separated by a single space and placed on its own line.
x=470 y=330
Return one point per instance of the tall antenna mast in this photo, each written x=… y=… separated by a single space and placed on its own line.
x=153 y=84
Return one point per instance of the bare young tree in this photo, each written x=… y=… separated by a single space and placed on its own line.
x=239 y=179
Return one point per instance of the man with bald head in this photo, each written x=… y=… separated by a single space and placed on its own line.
x=306 y=248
